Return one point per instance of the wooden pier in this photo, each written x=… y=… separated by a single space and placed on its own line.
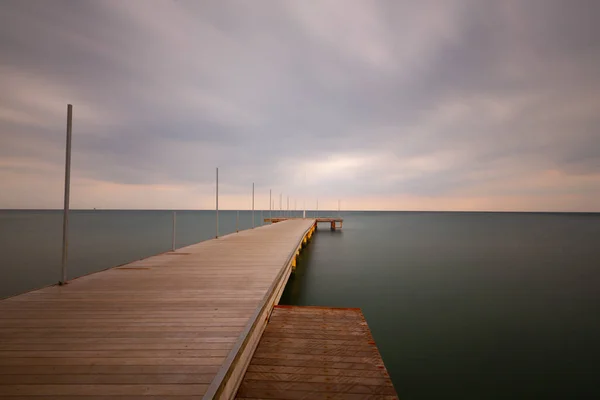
x=183 y=323
x=332 y=221
x=179 y=325
x=316 y=353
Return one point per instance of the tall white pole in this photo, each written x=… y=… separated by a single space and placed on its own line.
x=65 y=239
x=217 y=235
x=252 y=205
x=174 y=231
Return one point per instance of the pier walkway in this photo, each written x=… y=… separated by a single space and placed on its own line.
x=316 y=353
x=333 y=221
x=179 y=325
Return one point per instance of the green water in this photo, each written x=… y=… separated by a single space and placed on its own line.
x=31 y=241
x=468 y=305
x=461 y=305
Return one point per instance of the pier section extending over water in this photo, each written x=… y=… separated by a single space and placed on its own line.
x=186 y=324
x=181 y=324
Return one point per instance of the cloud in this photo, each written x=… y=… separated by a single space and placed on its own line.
x=398 y=103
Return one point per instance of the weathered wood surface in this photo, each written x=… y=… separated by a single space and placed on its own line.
x=320 y=219
x=316 y=353
x=160 y=327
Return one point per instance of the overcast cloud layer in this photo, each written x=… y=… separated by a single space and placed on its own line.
x=431 y=105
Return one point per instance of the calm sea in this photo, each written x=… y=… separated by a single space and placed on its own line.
x=461 y=305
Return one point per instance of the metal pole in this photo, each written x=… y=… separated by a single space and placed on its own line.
x=237 y=221
x=270 y=208
x=217 y=235
x=65 y=241
x=280 y=204
x=252 y=205
x=174 y=231
x=288 y=206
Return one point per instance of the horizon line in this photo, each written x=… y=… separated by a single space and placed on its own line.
x=307 y=210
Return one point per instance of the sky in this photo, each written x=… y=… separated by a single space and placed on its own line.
x=384 y=105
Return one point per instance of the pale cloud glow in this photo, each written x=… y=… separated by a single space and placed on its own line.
x=395 y=105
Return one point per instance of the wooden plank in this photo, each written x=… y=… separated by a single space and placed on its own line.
x=318 y=350
x=54 y=354
x=318 y=378
x=310 y=363
x=32 y=361
x=89 y=341
x=108 y=369
x=102 y=390
x=156 y=328
x=95 y=379
x=347 y=387
x=321 y=371
x=300 y=358
x=102 y=397
x=251 y=393
x=70 y=347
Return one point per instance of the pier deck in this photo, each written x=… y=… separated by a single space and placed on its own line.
x=333 y=221
x=178 y=325
x=316 y=353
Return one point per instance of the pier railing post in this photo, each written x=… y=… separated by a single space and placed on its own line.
x=217 y=203
x=270 y=206
x=174 y=231
x=65 y=238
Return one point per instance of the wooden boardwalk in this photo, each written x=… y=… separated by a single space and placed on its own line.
x=316 y=353
x=334 y=222
x=178 y=325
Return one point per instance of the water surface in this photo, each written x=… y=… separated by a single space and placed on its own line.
x=461 y=305
x=468 y=305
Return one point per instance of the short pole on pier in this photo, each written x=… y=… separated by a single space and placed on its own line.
x=237 y=221
x=217 y=234
x=304 y=208
x=65 y=239
x=174 y=231
x=252 y=205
